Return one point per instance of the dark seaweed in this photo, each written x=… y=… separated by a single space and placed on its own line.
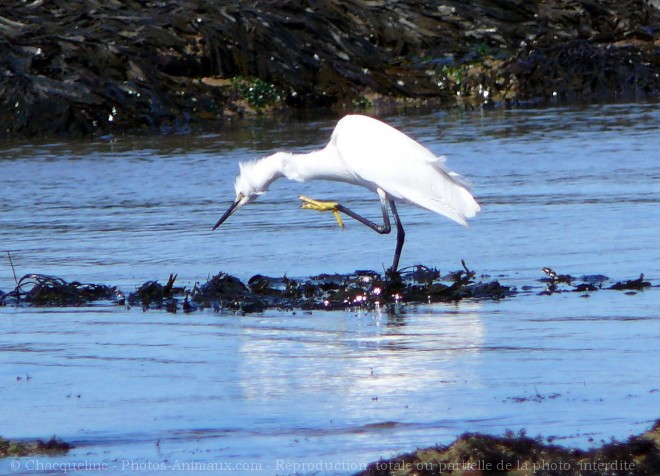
x=520 y=455
x=43 y=290
x=78 y=68
x=362 y=289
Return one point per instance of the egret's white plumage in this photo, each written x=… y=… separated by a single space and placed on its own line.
x=366 y=152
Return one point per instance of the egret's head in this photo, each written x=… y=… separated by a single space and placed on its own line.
x=253 y=179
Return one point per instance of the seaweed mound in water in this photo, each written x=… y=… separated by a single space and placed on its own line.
x=223 y=291
x=475 y=453
x=371 y=290
x=363 y=289
x=54 y=446
x=43 y=290
x=152 y=294
x=558 y=283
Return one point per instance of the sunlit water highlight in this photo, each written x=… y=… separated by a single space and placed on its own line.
x=573 y=189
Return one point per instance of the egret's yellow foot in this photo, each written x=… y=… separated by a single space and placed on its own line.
x=311 y=204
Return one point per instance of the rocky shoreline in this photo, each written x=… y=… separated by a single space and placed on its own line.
x=93 y=68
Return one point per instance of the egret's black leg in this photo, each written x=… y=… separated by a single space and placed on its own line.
x=383 y=229
x=400 y=236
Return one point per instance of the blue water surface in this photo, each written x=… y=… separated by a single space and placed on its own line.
x=285 y=392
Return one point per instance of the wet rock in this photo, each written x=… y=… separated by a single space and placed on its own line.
x=77 y=68
x=548 y=70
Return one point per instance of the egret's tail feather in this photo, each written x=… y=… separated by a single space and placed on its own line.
x=457 y=203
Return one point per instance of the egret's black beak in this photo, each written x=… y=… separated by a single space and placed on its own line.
x=234 y=206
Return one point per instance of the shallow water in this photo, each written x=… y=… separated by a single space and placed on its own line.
x=575 y=189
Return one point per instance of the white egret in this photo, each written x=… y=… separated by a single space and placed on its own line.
x=366 y=152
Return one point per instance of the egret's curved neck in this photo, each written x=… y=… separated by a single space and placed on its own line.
x=261 y=173
x=324 y=164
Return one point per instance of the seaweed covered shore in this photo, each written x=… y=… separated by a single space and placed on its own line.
x=15 y=448
x=520 y=455
x=87 y=67
x=476 y=453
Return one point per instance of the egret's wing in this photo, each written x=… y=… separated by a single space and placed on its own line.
x=375 y=151
x=430 y=185
x=383 y=157
x=456 y=204
x=439 y=162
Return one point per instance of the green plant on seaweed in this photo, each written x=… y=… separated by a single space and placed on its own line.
x=482 y=49
x=361 y=102
x=453 y=73
x=258 y=93
x=54 y=446
x=12 y=448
